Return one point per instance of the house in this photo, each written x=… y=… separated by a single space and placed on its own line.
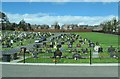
x=97 y=28
x=55 y=26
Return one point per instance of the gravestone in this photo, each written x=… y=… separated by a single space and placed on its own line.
x=69 y=45
x=111 y=50
x=49 y=50
x=6 y=57
x=59 y=45
x=15 y=56
x=78 y=45
x=44 y=43
x=91 y=44
x=95 y=55
x=84 y=50
x=57 y=53
x=62 y=42
x=76 y=56
x=100 y=50
x=35 y=55
x=80 y=40
x=51 y=46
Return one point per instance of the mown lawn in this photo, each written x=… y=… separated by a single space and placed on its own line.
x=64 y=60
x=103 y=39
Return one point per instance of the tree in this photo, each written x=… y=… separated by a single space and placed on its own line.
x=74 y=26
x=13 y=26
x=115 y=23
x=29 y=26
x=46 y=26
x=4 y=21
x=3 y=17
x=22 y=25
x=104 y=27
x=110 y=26
x=6 y=25
x=56 y=25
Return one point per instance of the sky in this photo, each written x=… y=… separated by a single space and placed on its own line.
x=83 y=13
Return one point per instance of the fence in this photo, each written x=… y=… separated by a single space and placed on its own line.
x=55 y=56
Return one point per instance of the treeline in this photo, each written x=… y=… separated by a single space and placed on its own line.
x=111 y=26
x=7 y=25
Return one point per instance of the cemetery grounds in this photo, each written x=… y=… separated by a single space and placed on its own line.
x=105 y=40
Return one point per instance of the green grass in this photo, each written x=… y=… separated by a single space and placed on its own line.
x=46 y=58
x=105 y=60
x=51 y=60
x=0 y=59
x=17 y=44
x=105 y=41
x=64 y=60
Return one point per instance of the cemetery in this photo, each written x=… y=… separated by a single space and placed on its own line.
x=59 y=39
x=46 y=47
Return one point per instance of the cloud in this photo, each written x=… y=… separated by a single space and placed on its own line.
x=41 y=18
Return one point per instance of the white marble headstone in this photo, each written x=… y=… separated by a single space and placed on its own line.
x=95 y=55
